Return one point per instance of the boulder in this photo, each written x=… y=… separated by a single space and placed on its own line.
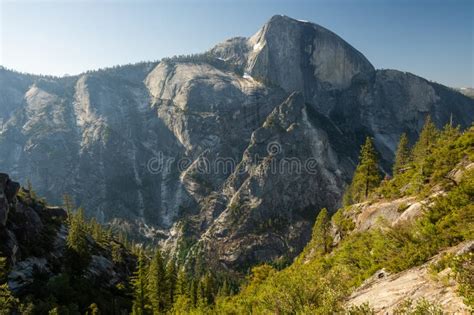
x=57 y=212
x=11 y=190
x=23 y=273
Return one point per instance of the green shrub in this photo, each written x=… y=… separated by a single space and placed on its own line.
x=420 y=307
x=363 y=309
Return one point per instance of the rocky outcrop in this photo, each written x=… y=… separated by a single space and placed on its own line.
x=392 y=212
x=167 y=148
x=8 y=191
x=268 y=215
x=467 y=91
x=24 y=221
x=385 y=292
x=33 y=238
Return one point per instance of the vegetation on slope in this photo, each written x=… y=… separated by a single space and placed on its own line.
x=318 y=283
x=78 y=269
x=320 y=279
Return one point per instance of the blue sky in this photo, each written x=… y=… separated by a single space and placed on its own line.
x=433 y=39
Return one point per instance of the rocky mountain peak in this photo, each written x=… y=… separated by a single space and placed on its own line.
x=302 y=56
x=128 y=143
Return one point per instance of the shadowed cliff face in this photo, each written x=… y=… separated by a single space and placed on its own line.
x=184 y=150
x=33 y=238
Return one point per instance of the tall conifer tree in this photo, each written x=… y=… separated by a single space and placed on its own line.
x=157 y=284
x=366 y=176
x=402 y=156
x=421 y=153
x=171 y=279
x=139 y=284
x=321 y=239
x=426 y=141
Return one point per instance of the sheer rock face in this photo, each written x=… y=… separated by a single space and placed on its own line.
x=289 y=166
x=190 y=140
x=298 y=55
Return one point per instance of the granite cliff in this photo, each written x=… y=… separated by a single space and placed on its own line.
x=184 y=150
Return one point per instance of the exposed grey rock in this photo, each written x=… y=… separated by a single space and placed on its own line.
x=457 y=174
x=24 y=272
x=385 y=294
x=8 y=191
x=34 y=241
x=467 y=91
x=272 y=193
x=4 y=208
x=102 y=269
x=23 y=222
x=93 y=136
x=300 y=56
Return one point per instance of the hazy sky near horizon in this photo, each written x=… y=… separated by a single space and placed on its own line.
x=430 y=38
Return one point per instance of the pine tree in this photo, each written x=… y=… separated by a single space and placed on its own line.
x=402 y=156
x=366 y=176
x=139 y=284
x=97 y=232
x=260 y=273
x=171 y=279
x=208 y=289
x=8 y=303
x=225 y=289
x=3 y=269
x=445 y=153
x=76 y=238
x=181 y=283
x=68 y=204
x=193 y=292
x=321 y=238
x=201 y=301
x=426 y=140
x=122 y=238
x=182 y=301
x=157 y=285
x=348 y=198
x=421 y=153
x=29 y=187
